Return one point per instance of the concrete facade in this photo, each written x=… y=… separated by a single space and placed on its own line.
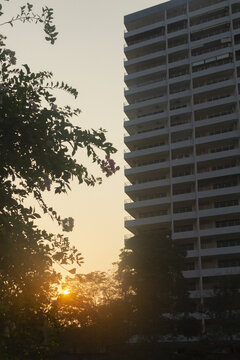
x=183 y=132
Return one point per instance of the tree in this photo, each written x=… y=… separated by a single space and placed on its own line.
x=92 y=313
x=223 y=310
x=150 y=272
x=38 y=147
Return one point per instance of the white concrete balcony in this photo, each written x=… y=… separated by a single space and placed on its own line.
x=148 y=85
x=156 y=184
x=177 y=32
x=143 y=58
x=177 y=48
x=176 y=19
x=185 y=215
x=147 y=203
x=217 y=192
x=235 y=16
x=145 y=103
x=144 y=152
x=137 y=45
x=228 y=210
x=145 y=72
x=208 y=24
x=181 y=110
x=218 y=137
x=216 y=120
x=180 y=94
x=147 y=168
x=182 y=144
x=184 y=197
x=218 y=173
x=213 y=69
x=219 y=84
x=180 y=128
x=145 y=119
x=183 y=179
x=145 y=135
x=180 y=79
x=196 y=294
x=214 y=251
x=191 y=274
x=210 y=38
x=183 y=161
x=212 y=102
x=220 y=231
x=185 y=235
x=143 y=29
x=146 y=222
x=221 y=271
x=219 y=155
x=211 y=8
x=181 y=62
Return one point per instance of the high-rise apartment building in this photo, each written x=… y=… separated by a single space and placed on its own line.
x=183 y=132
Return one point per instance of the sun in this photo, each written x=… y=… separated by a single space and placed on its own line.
x=66 y=291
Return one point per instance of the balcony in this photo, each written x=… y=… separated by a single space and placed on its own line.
x=147 y=71
x=142 y=204
x=145 y=27
x=210 y=103
x=145 y=103
x=149 y=184
x=219 y=211
x=213 y=68
x=215 y=192
x=218 y=137
x=184 y=216
x=151 y=134
x=214 y=231
x=211 y=272
x=157 y=115
x=147 y=168
x=147 y=223
x=144 y=42
x=219 y=152
x=145 y=86
x=202 y=7
x=196 y=294
x=142 y=59
x=185 y=235
x=214 y=21
x=148 y=151
x=182 y=144
x=214 y=84
x=214 y=251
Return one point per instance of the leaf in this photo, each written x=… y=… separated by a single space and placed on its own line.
x=72 y=271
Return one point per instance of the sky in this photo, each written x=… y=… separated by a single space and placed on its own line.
x=89 y=56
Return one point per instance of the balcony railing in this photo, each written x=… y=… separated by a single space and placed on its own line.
x=210 y=82
x=206 y=50
x=142 y=39
x=211 y=99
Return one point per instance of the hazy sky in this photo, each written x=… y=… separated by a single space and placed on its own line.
x=89 y=56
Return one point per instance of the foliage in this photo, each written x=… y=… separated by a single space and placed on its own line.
x=38 y=148
x=223 y=309
x=92 y=315
x=150 y=272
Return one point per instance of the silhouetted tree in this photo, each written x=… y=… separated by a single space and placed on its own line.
x=38 y=144
x=150 y=271
x=223 y=309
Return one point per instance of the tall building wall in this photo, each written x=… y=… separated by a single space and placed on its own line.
x=183 y=132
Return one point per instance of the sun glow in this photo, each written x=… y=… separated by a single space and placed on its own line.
x=66 y=292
